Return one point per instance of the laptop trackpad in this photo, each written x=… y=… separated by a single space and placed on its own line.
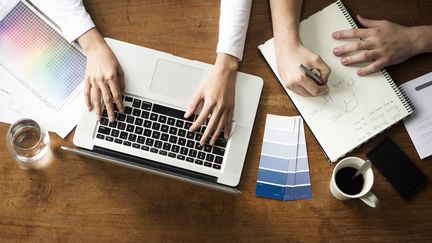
x=175 y=80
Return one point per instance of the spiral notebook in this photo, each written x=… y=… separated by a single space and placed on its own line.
x=356 y=108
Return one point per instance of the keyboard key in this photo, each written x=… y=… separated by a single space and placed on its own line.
x=208 y=164
x=130 y=119
x=210 y=157
x=139 y=130
x=136 y=103
x=115 y=133
x=164 y=137
x=104 y=121
x=128 y=110
x=188 y=159
x=221 y=143
x=153 y=117
x=218 y=151
x=198 y=146
x=149 y=142
x=162 y=152
x=127 y=143
x=192 y=153
x=168 y=111
x=199 y=162
x=201 y=155
x=184 y=151
x=175 y=148
x=121 y=117
x=172 y=155
x=129 y=99
x=171 y=121
x=156 y=135
x=181 y=133
x=198 y=136
x=173 y=139
x=136 y=112
x=145 y=148
x=179 y=123
x=145 y=114
x=130 y=128
x=158 y=144
x=182 y=141
x=164 y=128
x=123 y=135
x=113 y=124
x=202 y=129
x=138 y=121
x=121 y=125
x=147 y=132
x=166 y=146
x=173 y=130
x=135 y=145
x=119 y=141
x=153 y=150
x=162 y=119
x=216 y=166
x=146 y=105
x=207 y=148
x=141 y=139
x=156 y=126
x=132 y=137
x=218 y=160
x=147 y=123
x=100 y=136
x=190 y=144
x=104 y=130
x=180 y=157
x=104 y=113
x=187 y=125
x=190 y=135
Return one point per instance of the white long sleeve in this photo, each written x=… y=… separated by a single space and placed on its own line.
x=70 y=15
x=233 y=24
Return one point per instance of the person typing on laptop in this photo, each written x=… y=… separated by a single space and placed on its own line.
x=105 y=78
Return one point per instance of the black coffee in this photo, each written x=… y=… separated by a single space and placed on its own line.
x=344 y=182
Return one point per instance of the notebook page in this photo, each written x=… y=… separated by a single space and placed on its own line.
x=356 y=108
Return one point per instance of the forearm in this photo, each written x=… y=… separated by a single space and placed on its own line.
x=422 y=38
x=285 y=19
x=91 y=39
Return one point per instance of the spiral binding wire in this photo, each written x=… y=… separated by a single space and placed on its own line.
x=399 y=92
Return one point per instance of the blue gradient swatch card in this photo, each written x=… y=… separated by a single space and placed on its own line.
x=283 y=172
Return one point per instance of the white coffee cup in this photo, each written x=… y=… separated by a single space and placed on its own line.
x=365 y=194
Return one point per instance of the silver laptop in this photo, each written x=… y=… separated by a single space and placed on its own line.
x=152 y=134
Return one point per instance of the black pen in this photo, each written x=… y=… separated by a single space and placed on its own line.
x=308 y=72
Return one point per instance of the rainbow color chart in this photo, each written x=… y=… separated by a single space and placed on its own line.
x=39 y=57
x=283 y=172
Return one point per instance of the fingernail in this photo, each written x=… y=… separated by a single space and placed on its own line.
x=111 y=118
x=336 y=51
x=98 y=117
x=360 y=72
x=344 y=61
x=335 y=35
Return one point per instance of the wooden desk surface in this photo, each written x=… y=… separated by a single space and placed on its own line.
x=79 y=199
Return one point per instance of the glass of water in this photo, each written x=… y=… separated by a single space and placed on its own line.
x=28 y=142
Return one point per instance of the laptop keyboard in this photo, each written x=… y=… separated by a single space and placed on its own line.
x=162 y=130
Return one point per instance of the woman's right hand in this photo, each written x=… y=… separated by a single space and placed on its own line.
x=104 y=78
x=288 y=60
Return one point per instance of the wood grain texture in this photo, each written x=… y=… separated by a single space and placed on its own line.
x=78 y=199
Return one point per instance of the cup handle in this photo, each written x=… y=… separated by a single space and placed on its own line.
x=370 y=199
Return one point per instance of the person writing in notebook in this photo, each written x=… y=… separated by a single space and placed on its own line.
x=290 y=51
x=382 y=43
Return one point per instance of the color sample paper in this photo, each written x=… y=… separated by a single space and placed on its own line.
x=39 y=57
x=283 y=172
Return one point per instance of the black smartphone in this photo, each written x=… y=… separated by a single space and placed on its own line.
x=399 y=170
